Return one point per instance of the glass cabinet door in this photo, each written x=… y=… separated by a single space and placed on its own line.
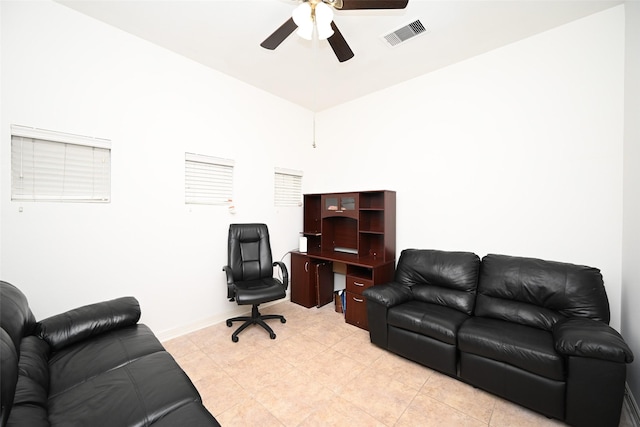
x=339 y=203
x=347 y=203
x=331 y=204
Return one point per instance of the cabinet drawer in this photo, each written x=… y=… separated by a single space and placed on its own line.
x=356 y=310
x=357 y=284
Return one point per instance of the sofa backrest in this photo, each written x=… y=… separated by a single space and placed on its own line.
x=539 y=293
x=439 y=277
x=16 y=321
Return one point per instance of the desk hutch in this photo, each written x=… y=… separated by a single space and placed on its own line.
x=350 y=233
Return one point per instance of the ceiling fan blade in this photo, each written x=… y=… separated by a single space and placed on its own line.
x=278 y=36
x=339 y=44
x=373 y=4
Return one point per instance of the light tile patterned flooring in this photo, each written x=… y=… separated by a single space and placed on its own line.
x=321 y=371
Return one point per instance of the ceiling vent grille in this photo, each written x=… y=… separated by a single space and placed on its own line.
x=405 y=33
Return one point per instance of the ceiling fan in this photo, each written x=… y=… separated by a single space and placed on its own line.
x=317 y=15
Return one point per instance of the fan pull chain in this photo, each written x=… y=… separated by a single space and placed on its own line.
x=314 y=130
x=315 y=44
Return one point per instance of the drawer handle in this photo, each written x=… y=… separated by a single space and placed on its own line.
x=358 y=284
x=357 y=300
x=306 y=266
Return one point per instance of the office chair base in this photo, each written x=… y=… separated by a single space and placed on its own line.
x=255 y=319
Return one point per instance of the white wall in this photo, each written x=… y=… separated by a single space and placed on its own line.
x=64 y=71
x=517 y=151
x=631 y=230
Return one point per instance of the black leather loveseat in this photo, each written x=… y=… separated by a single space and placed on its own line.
x=532 y=331
x=92 y=366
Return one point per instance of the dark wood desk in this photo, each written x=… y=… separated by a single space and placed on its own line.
x=353 y=233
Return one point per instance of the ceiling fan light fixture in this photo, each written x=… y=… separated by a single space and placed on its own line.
x=308 y=14
x=324 y=17
x=324 y=32
x=305 y=32
x=302 y=17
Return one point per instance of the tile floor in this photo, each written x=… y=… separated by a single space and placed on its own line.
x=321 y=371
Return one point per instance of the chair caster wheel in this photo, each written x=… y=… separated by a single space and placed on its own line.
x=283 y=320
x=272 y=336
x=234 y=339
x=229 y=323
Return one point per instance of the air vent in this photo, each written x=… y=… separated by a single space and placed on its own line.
x=405 y=33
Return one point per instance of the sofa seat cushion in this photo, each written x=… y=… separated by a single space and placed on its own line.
x=432 y=320
x=84 y=360
x=123 y=377
x=138 y=393
x=191 y=415
x=521 y=346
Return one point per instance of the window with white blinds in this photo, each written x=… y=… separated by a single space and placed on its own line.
x=288 y=187
x=208 y=180
x=54 y=166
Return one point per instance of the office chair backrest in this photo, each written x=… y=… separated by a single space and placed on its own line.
x=249 y=252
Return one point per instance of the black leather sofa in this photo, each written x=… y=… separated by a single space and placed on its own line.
x=532 y=331
x=92 y=366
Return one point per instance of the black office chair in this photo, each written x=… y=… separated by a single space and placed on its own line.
x=250 y=275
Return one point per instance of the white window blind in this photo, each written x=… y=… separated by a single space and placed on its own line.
x=208 y=180
x=288 y=187
x=54 y=166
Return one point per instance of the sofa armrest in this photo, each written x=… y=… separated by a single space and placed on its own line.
x=388 y=294
x=380 y=298
x=84 y=322
x=590 y=338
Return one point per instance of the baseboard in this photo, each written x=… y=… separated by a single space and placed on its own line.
x=206 y=322
x=631 y=406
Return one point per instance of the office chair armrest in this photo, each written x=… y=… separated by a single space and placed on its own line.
x=231 y=287
x=285 y=273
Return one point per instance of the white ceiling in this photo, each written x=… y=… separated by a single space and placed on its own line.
x=226 y=35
